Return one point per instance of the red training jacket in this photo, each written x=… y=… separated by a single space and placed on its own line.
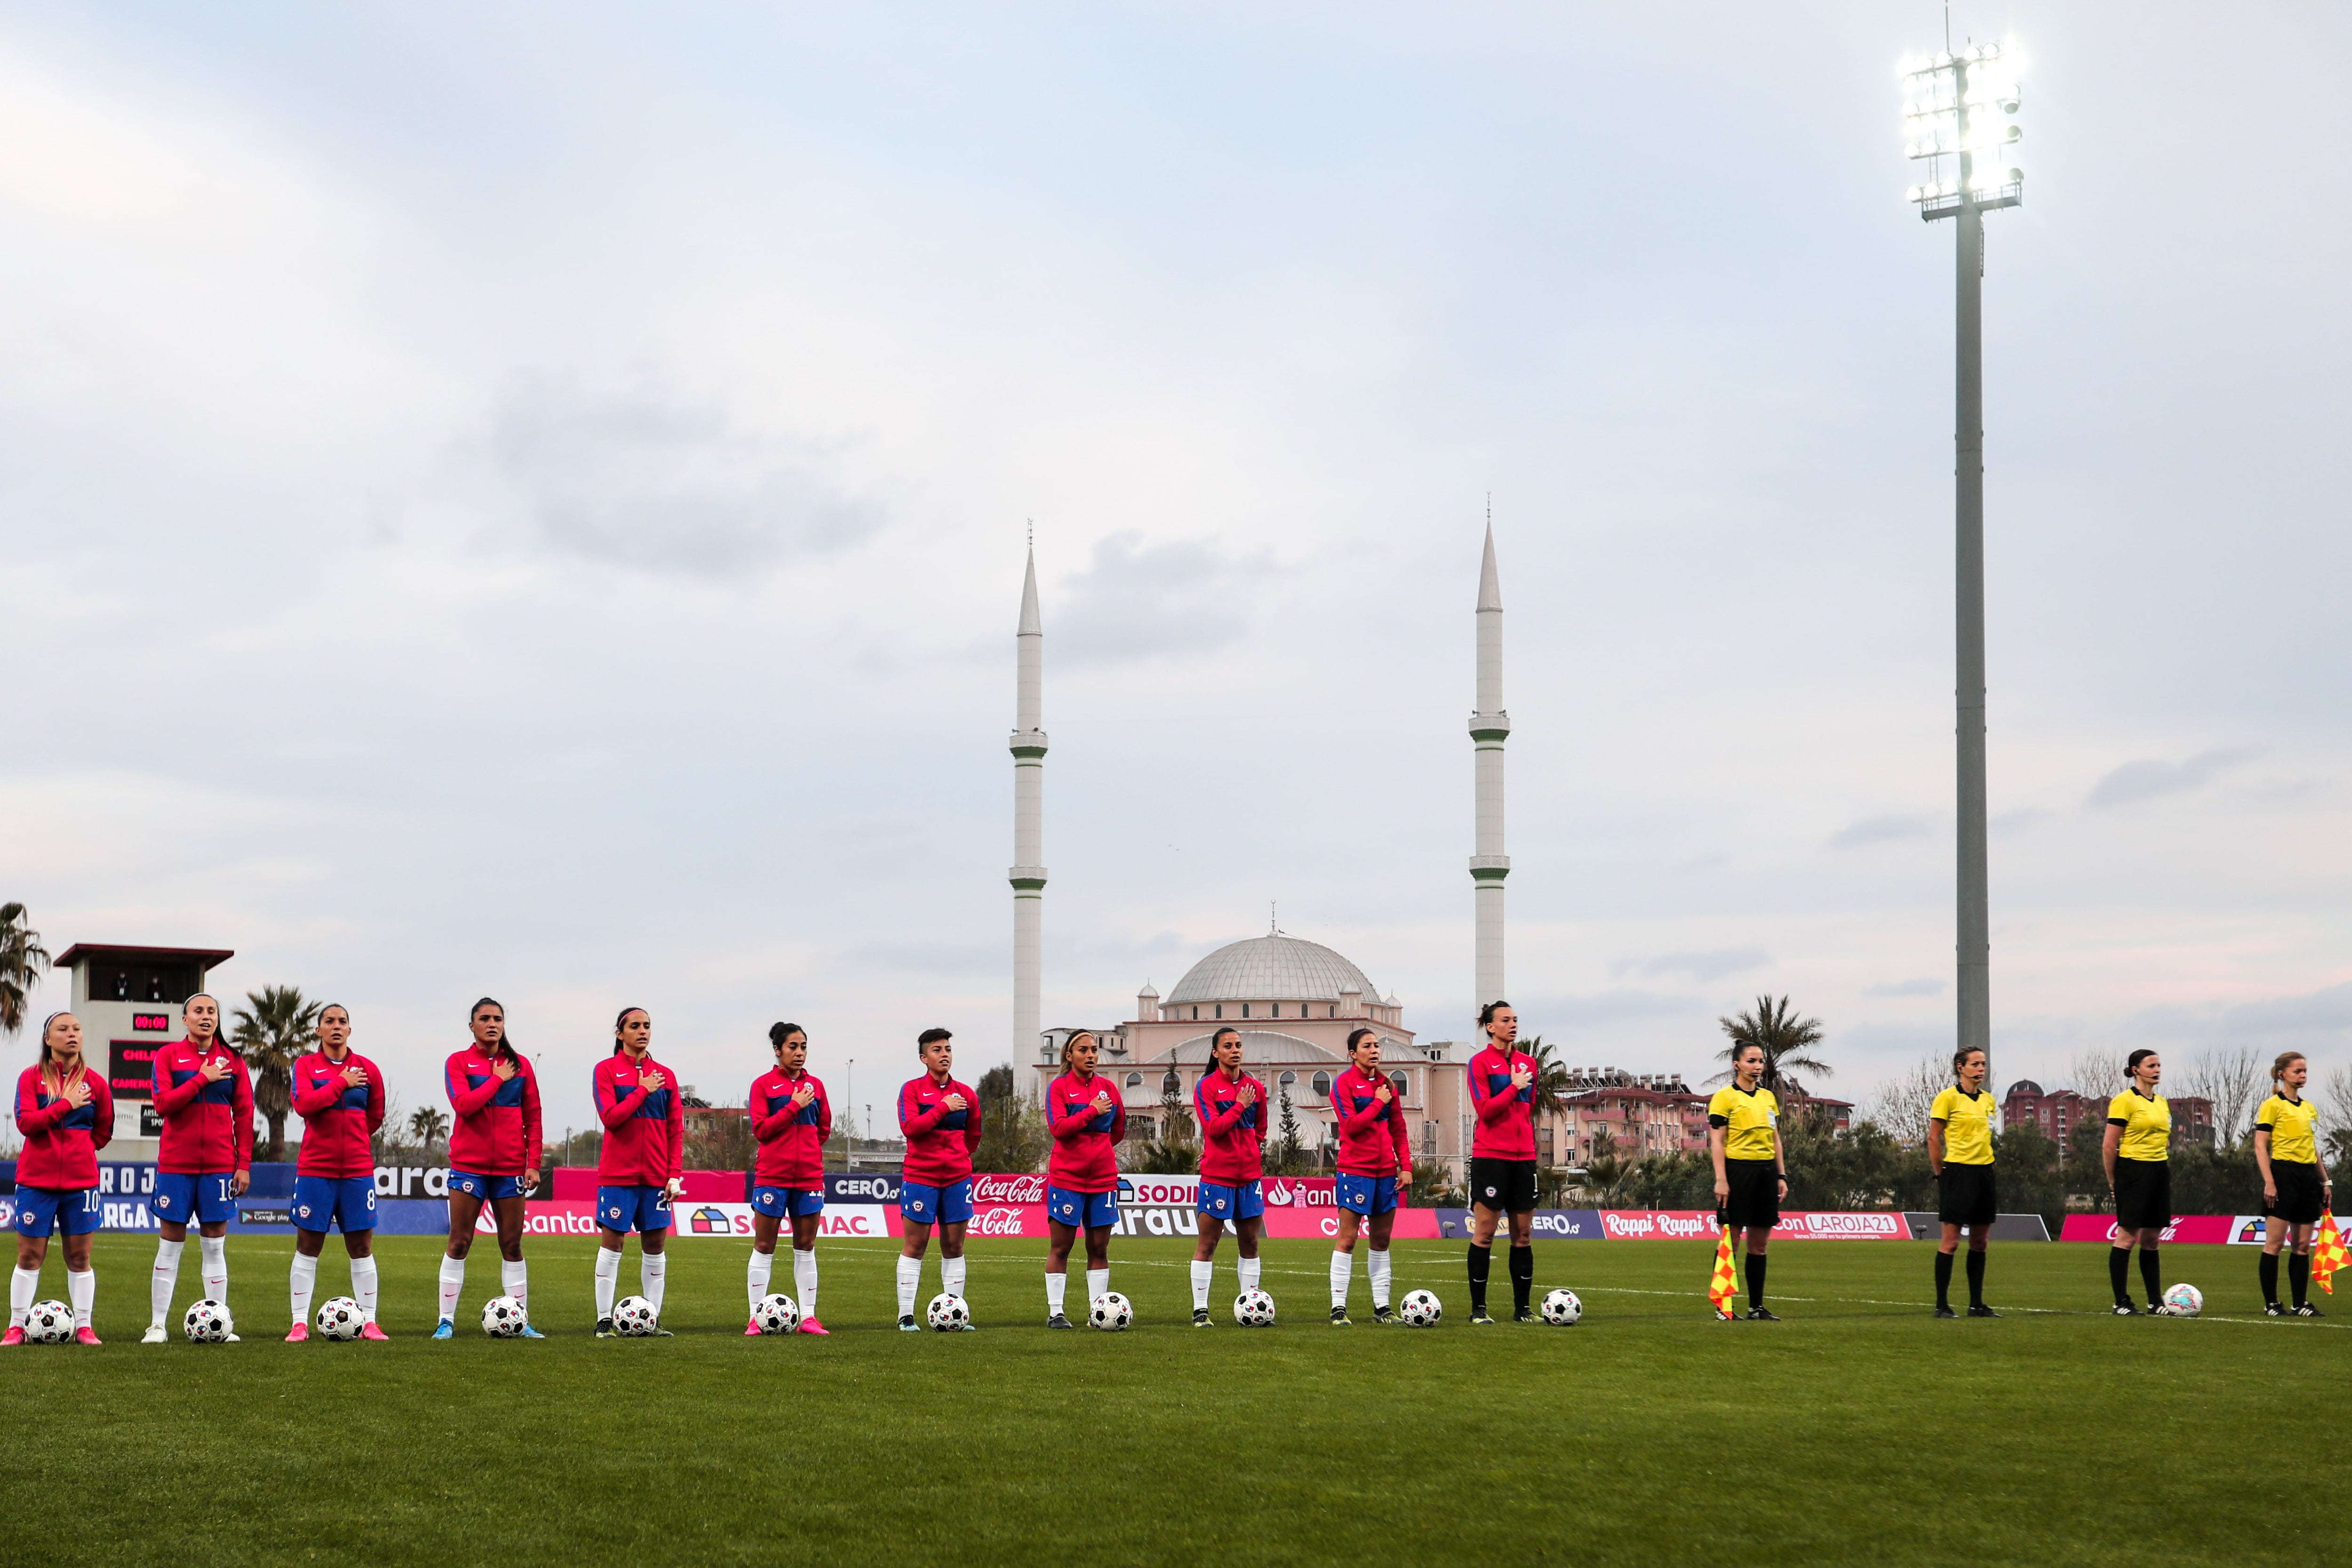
x=1086 y=1141
x=1506 y=1122
x=939 y=1142
x=1372 y=1139
x=61 y=1143
x=791 y=1141
x=645 y=1129
x=207 y=1127
x=1232 y=1136
x=497 y=1132
x=339 y=1120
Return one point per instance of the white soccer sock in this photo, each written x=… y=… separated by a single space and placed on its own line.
x=755 y=1278
x=1343 y=1268
x=1249 y=1269
x=212 y=1252
x=1204 y=1273
x=81 y=1290
x=165 y=1280
x=363 y=1286
x=911 y=1279
x=951 y=1275
x=514 y=1279
x=1054 y=1285
x=804 y=1279
x=452 y=1284
x=608 y=1277
x=22 y=1283
x=1097 y=1285
x=653 y=1273
x=1377 y=1266
x=302 y=1280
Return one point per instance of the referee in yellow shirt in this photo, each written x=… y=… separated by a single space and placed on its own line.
x=2295 y=1189
x=1752 y=1173
x=2138 y=1154
x=1960 y=1151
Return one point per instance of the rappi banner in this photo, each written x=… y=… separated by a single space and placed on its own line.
x=1698 y=1225
x=2188 y=1227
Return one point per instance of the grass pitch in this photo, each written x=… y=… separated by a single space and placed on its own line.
x=1859 y=1430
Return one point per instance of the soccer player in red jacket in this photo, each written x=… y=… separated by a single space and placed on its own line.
x=1502 y=1159
x=791 y=1117
x=206 y=1157
x=1229 y=1106
x=339 y=1095
x=1375 y=1156
x=940 y=1120
x=1086 y=1117
x=640 y=1166
x=494 y=1152
x=66 y=1115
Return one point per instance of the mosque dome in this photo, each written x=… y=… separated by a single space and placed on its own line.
x=1273 y=968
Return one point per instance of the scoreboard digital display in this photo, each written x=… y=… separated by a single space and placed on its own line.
x=130 y=1068
x=152 y=1023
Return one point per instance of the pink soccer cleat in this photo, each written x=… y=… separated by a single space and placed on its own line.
x=298 y=1333
x=370 y=1331
x=751 y=1329
x=86 y=1335
x=13 y=1337
x=811 y=1326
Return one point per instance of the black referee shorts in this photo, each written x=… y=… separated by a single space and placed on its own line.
x=1506 y=1186
x=2143 y=1193
x=1755 y=1197
x=2300 y=1193
x=1964 y=1195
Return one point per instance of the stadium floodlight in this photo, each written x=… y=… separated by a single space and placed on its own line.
x=1960 y=121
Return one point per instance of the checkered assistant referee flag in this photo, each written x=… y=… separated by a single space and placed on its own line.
x=1720 y=1289
x=2326 y=1252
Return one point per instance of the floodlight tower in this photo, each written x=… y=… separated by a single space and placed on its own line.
x=1962 y=107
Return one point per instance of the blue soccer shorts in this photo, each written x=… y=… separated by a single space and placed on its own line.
x=40 y=1210
x=627 y=1208
x=341 y=1203
x=194 y=1200
x=1244 y=1201
x=1091 y=1210
x=948 y=1205
x=788 y=1203
x=475 y=1184
x=1366 y=1196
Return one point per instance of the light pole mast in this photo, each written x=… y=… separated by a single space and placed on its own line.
x=1956 y=106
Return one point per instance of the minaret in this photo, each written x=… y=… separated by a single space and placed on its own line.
x=1489 y=726
x=1028 y=876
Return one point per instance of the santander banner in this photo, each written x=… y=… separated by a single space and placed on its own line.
x=1698 y=1225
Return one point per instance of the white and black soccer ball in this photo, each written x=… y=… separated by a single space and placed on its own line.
x=634 y=1316
x=947 y=1314
x=1254 y=1309
x=503 y=1317
x=777 y=1314
x=49 y=1323
x=1562 y=1309
x=1421 y=1309
x=1111 y=1312
x=2184 y=1301
x=207 y=1322
x=341 y=1319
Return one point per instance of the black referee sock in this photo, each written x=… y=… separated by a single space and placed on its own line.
x=1943 y=1279
x=1976 y=1278
x=2266 y=1270
x=1754 y=1280
x=2298 y=1275
x=1523 y=1275
x=2119 y=1273
x=1482 y=1259
x=2151 y=1275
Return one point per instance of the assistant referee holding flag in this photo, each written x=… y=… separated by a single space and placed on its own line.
x=2295 y=1189
x=1744 y=1137
x=1960 y=1151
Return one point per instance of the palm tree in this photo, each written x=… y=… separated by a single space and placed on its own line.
x=279 y=1027
x=428 y=1126
x=23 y=960
x=1787 y=1041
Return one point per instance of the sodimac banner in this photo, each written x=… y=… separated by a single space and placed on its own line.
x=2239 y=1230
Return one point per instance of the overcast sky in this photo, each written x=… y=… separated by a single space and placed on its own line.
x=530 y=501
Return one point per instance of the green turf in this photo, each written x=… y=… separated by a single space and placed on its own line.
x=1859 y=1430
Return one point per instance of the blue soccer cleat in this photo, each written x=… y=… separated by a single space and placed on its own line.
x=529 y=1334
x=444 y=1329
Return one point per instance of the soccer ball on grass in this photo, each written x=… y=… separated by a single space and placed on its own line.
x=1562 y=1309
x=777 y=1315
x=1254 y=1309
x=1421 y=1309
x=2184 y=1301
x=633 y=1317
x=49 y=1323
x=342 y=1318
x=1111 y=1312
x=207 y=1322
x=947 y=1314
x=503 y=1317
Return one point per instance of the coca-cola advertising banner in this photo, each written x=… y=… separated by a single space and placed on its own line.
x=1698 y=1225
x=2238 y=1230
